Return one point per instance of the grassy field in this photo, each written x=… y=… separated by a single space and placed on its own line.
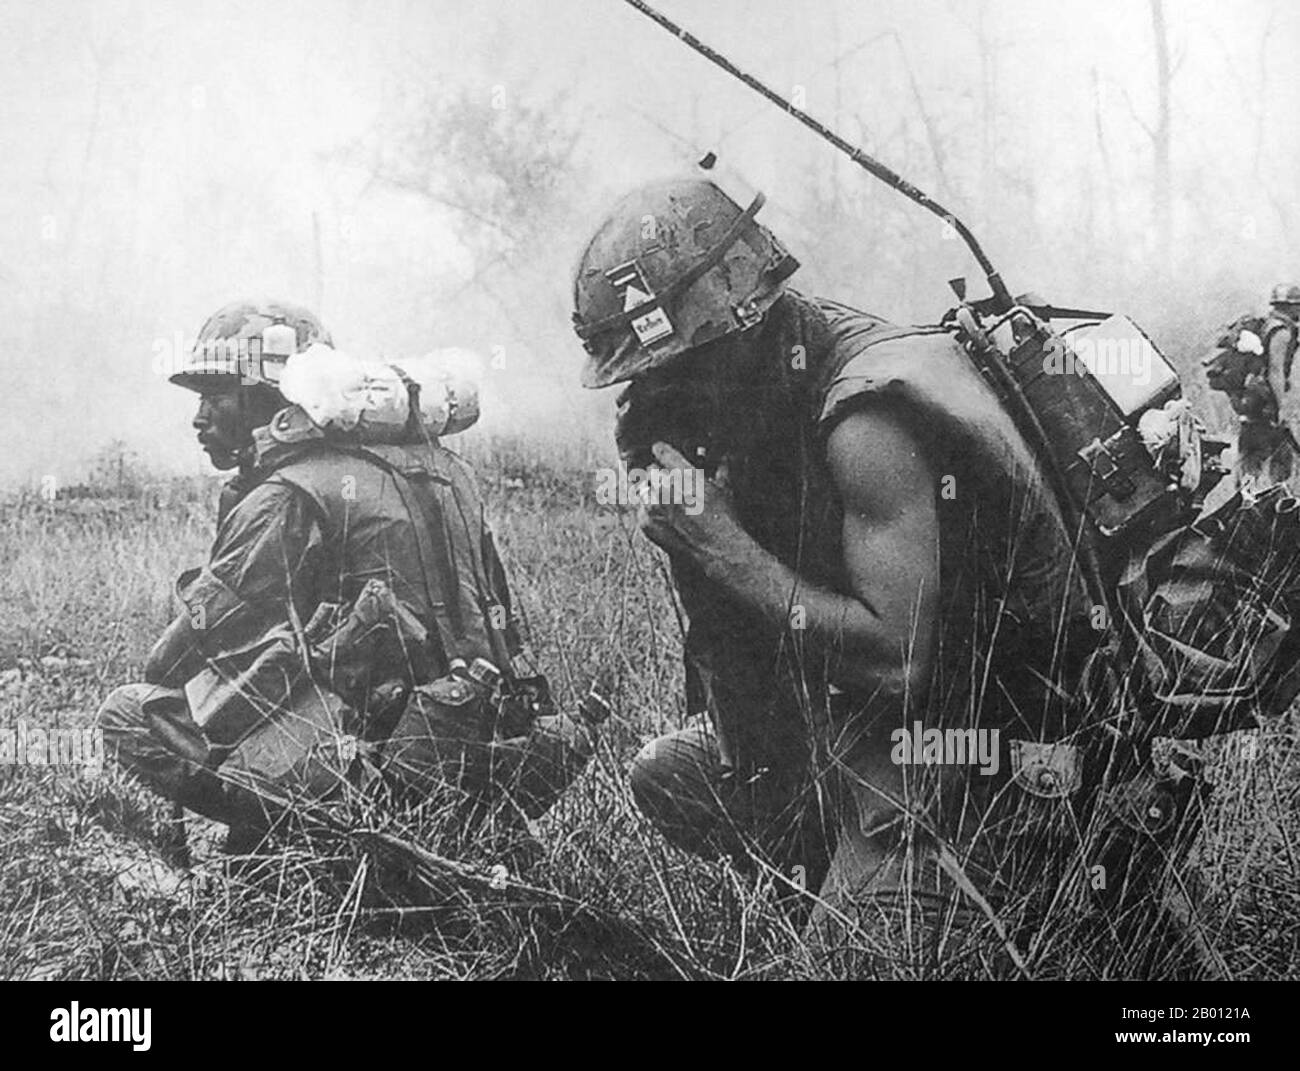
x=85 y=891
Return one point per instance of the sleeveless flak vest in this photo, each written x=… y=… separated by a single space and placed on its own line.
x=1014 y=611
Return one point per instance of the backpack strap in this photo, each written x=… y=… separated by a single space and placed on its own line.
x=433 y=514
x=458 y=616
x=435 y=560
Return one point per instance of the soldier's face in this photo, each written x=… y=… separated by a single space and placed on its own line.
x=222 y=427
x=717 y=367
x=696 y=403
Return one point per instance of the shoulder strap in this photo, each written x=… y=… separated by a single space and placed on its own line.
x=440 y=620
x=462 y=612
x=888 y=334
x=435 y=560
x=859 y=331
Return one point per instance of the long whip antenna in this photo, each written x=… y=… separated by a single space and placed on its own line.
x=1001 y=296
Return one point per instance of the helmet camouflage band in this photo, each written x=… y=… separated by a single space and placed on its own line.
x=1285 y=294
x=248 y=342
x=675 y=265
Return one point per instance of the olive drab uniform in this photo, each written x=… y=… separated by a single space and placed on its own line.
x=348 y=589
x=1014 y=615
x=1281 y=334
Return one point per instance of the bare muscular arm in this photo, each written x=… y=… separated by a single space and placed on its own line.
x=880 y=636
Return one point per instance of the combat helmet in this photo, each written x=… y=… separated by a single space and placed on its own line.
x=675 y=265
x=1285 y=294
x=249 y=341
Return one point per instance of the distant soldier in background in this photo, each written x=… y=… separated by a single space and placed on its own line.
x=352 y=627
x=1255 y=355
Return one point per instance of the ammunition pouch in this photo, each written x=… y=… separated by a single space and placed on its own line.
x=1115 y=819
x=371 y=653
x=303 y=753
x=234 y=694
x=282 y=722
x=1145 y=825
x=261 y=752
x=447 y=728
x=1048 y=771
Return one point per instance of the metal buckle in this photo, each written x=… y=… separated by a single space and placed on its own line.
x=1105 y=469
x=1048 y=771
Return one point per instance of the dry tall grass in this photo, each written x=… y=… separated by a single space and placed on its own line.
x=85 y=891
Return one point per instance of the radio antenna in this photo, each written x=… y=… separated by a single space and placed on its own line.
x=1001 y=296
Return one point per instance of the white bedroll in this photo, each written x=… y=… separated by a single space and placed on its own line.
x=375 y=399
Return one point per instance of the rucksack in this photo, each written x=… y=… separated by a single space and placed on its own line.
x=1239 y=352
x=1212 y=609
x=1238 y=367
x=1201 y=576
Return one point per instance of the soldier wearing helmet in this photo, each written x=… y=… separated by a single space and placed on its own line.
x=1250 y=358
x=877 y=551
x=1282 y=330
x=235 y=368
x=352 y=627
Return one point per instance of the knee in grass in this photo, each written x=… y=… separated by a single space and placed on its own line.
x=649 y=776
x=121 y=710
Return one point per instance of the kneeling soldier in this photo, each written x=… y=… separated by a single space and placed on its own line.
x=352 y=626
x=877 y=554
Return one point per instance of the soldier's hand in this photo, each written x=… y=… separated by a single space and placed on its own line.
x=690 y=514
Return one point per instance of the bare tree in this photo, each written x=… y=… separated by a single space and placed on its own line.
x=501 y=170
x=1162 y=193
x=1254 y=97
x=497 y=164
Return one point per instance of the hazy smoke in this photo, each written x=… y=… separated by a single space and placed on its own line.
x=161 y=162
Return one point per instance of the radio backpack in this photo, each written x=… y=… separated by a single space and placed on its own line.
x=1200 y=571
